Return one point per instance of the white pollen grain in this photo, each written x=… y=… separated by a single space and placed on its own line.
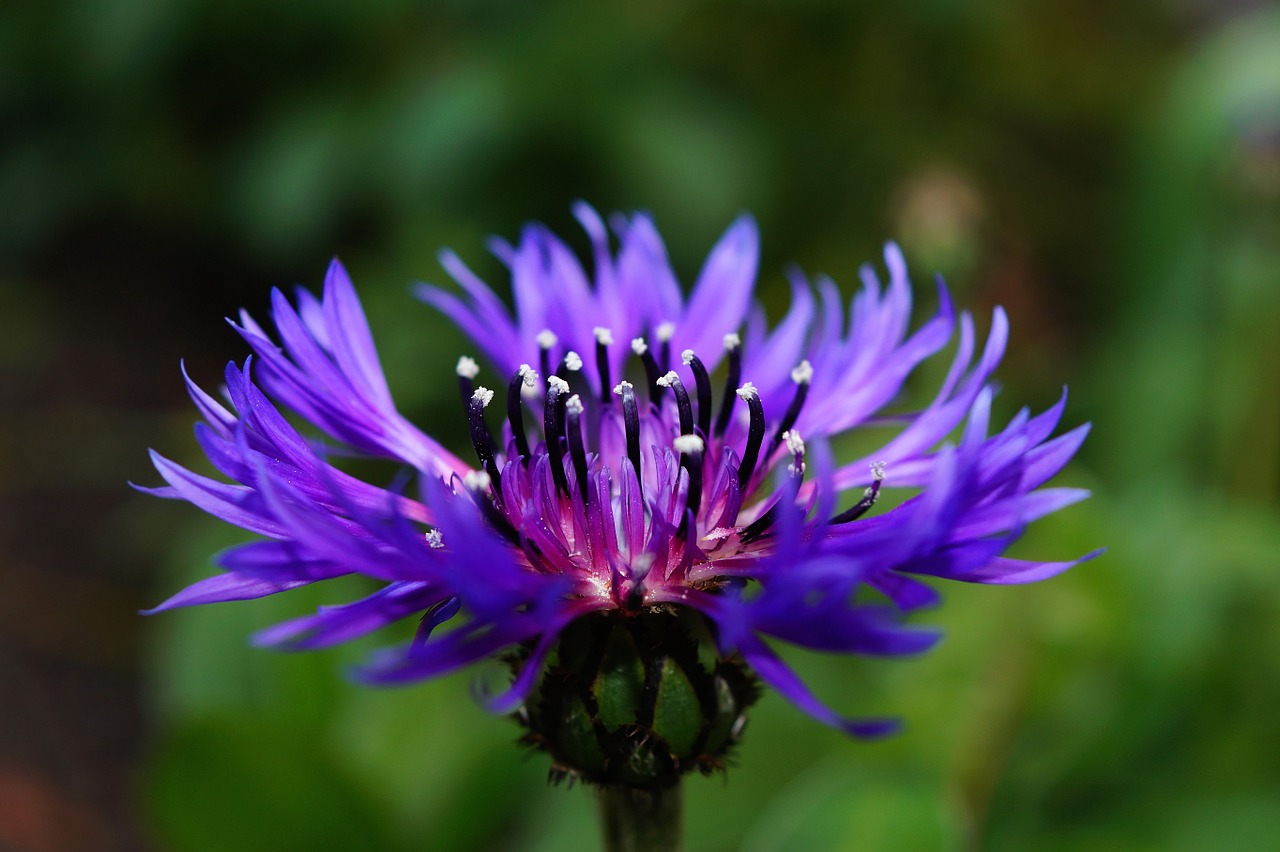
x=665 y=331
x=747 y=391
x=467 y=367
x=689 y=444
x=573 y=361
x=603 y=335
x=795 y=444
x=620 y=385
x=638 y=346
x=547 y=338
x=803 y=373
x=732 y=341
x=574 y=405
x=687 y=356
x=477 y=480
x=558 y=384
x=483 y=395
x=435 y=539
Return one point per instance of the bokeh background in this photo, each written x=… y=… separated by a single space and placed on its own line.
x=1110 y=172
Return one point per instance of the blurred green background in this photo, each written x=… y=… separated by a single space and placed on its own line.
x=1110 y=172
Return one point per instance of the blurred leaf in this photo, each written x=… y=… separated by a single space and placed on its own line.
x=248 y=784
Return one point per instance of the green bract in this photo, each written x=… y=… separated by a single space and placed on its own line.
x=638 y=699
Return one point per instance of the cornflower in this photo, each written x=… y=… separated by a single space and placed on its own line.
x=659 y=498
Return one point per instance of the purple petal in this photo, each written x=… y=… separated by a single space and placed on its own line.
x=225 y=587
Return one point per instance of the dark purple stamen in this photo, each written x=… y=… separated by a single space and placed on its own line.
x=651 y=371
x=801 y=375
x=577 y=450
x=755 y=435
x=757 y=528
x=664 y=346
x=631 y=420
x=515 y=412
x=546 y=340
x=734 y=348
x=860 y=508
x=694 y=466
x=467 y=370
x=703 y=383
x=553 y=429
x=481 y=440
x=603 y=338
x=683 y=406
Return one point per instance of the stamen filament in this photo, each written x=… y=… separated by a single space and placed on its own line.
x=651 y=371
x=631 y=421
x=733 y=346
x=672 y=380
x=868 y=500
x=755 y=435
x=577 y=451
x=546 y=341
x=802 y=376
x=553 y=429
x=795 y=471
x=467 y=370
x=604 y=339
x=691 y=448
x=481 y=440
x=524 y=377
x=664 y=332
x=703 y=383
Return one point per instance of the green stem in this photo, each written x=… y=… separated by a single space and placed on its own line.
x=641 y=820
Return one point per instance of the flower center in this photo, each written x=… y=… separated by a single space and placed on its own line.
x=627 y=494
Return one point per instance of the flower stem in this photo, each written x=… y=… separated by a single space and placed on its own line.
x=636 y=819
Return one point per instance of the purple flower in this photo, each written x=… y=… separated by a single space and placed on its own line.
x=623 y=478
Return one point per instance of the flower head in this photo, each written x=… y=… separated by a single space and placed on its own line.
x=658 y=453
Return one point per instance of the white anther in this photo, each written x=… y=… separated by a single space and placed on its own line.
x=795 y=444
x=687 y=356
x=638 y=346
x=468 y=368
x=667 y=380
x=620 y=385
x=574 y=405
x=732 y=342
x=603 y=335
x=528 y=375
x=689 y=444
x=557 y=384
x=747 y=391
x=573 y=361
x=483 y=395
x=803 y=373
x=435 y=539
x=546 y=339
x=477 y=480
x=877 y=470
x=665 y=332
